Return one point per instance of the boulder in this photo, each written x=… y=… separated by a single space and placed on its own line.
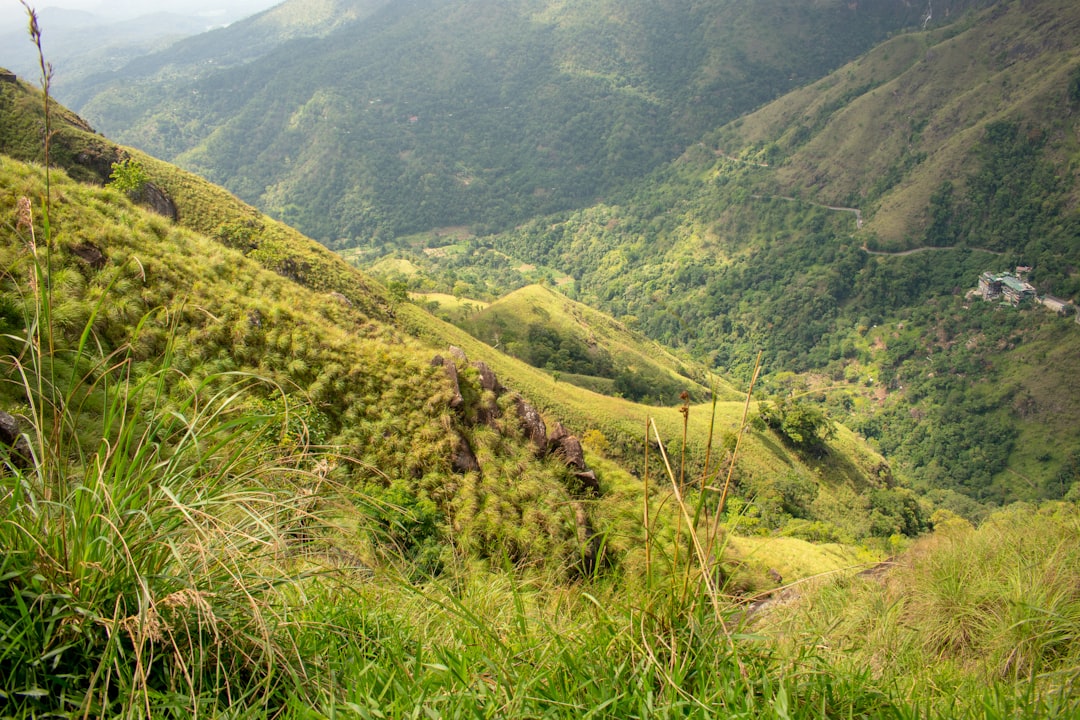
x=532 y=424
x=567 y=447
x=158 y=201
x=589 y=481
x=89 y=254
x=488 y=381
x=458 y=354
x=456 y=400
x=587 y=539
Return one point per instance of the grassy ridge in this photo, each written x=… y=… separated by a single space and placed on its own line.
x=537 y=324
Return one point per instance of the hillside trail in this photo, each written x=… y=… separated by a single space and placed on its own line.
x=859 y=223
x=855 y=211
x=928 y=248
x=792 y=592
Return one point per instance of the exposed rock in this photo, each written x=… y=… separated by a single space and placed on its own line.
x=7 y=76
x=589 y=481
x=488 y=381
x=456 y=400
x=89 y=254
x=567 y=447
x=590 y=543
x=458 y=354
x=571 y=453
x=532 y=424
x=346 y=302
x=10 y=436
x=557 y=434
x=488 y=412
x=437 y=361
x=464 y=459
x=775 y=576
x=158 y=201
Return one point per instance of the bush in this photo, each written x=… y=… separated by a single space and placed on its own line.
x=128 y=176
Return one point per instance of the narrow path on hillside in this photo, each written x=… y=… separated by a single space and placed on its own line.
x=928 y=248
x=855 y=211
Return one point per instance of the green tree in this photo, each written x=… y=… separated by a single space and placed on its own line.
x=128 y=176
x=801 y=424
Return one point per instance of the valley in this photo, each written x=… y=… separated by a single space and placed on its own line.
x=547 y=359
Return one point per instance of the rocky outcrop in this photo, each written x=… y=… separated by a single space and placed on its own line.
x=488 y=381
x=566 y=446
x=560 y=444
x=157 y=200
x=533 y=425
x=587 y=539
x=457 y=401
x=90 y=254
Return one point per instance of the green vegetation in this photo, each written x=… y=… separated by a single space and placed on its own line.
x=408 y=118
x=751 y=242
x=802 y=424
x=554 y=333
x=128 y=176
x=988 y=605
x=235 y=482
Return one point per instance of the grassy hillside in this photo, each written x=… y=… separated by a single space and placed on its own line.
x=585 y=347
x=964 y=607
x=426 y=114
x=219 y=217
x=233 y=482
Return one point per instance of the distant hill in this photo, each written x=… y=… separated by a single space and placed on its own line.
x=415 y=115
x=587 y=348
x=790 y=230
x=228 y=290
x=82 y=44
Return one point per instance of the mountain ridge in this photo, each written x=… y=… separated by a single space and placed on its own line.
x=434 y=114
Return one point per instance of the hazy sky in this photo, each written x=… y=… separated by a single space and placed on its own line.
x=223 y=11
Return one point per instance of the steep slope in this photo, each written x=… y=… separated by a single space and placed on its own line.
x=426 y=114
x=81 y=44
x=193 y=57
x=760 y=240
x=585 y=347
x=341 y=350
x=958 y=136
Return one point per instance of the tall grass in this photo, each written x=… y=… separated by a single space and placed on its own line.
x=143 y=518
x=969 y=620
x=143 y=523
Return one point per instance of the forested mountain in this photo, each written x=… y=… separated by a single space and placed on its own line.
x=239 y=477
x=840 y=228
x=421 y=114
x=81 y=44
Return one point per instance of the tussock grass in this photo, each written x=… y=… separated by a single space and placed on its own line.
x=144 y=519
x=965 y=609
